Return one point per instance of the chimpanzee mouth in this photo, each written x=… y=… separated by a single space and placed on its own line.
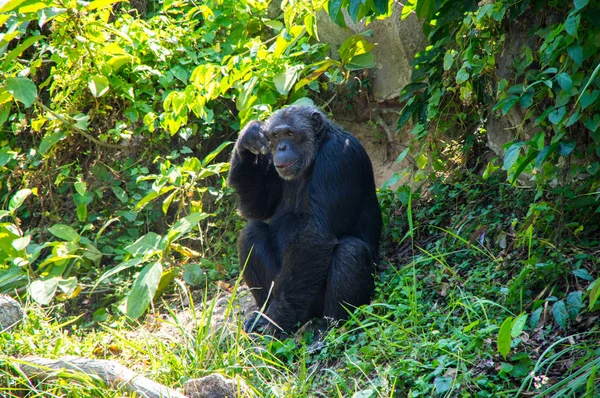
x=285 y=165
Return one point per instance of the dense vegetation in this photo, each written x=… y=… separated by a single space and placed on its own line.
x=116 y=121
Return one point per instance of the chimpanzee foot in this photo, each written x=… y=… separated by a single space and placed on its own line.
x=258 y=323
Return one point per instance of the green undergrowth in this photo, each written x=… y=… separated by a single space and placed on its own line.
x=475 y=298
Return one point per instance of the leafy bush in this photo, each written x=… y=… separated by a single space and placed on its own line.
x=93 y=99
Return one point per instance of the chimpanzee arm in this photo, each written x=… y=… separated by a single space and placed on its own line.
x=253 y=175
x=336 y=194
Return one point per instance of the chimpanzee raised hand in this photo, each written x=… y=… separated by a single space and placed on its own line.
x=306 y=187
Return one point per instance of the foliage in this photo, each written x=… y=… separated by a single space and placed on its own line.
x=92 y=100
x=448 y=346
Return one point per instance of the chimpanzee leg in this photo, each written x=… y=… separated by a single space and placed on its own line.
x=350 y=281
x=257 y=254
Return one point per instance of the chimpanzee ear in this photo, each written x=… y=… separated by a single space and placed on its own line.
x=318 y=121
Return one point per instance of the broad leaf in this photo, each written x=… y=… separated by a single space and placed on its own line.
x=518 y=325
x=185 y=225
x=504 y=338
x=23 y=89
x=557 y=115
x=17 y=200
x=565 y=82
x=559 y=310
x=64 y=232
x=49 y=141
x=43 y=290
x=511 y=155
x=98 y=85
x=144 y=246
x=143 y=289
x=442 y=384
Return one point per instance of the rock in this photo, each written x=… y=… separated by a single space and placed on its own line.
x=397 y=43
x=10 y=312
x=215 y=386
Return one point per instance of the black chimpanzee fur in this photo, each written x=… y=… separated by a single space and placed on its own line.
x=307 y=188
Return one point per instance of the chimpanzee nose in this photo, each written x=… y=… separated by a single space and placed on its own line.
x=282 y=147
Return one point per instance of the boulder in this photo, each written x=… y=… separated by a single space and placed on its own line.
x=397 y=41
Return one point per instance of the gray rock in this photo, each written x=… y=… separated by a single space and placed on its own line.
x=214 y=386
x=10 y=312
x=397 y=43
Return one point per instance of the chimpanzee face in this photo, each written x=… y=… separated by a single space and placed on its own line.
x=291 y=132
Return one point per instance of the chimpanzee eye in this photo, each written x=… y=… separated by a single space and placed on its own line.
x=275 y=136
x=290 y=134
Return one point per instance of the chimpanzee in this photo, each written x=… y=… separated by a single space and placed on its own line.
x=306 y=187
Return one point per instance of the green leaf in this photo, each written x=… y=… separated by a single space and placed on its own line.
x=49 y=141
x=98 y=85
x=557 y=115
x=576 y=53
x=462 y=75
x=448 y=60
x=565 y=148
x=518 y=325
x=80 y=187
x=594 y=289
x=6 y=155
x=120 y=193
x=535 y=318
x=48 y=14
x=82 y=212
x=590 y=80
x=504 y=338
x=442 y=384
x=144 y=246
x=185 y=225
x=530 y=156
x=583 y=274
x=590 y=385
x=335 y=12
x=588 y=98
x=559 y=310
x=118 y=268
x=362 y=61
x=17 y=51
x=193 y=274
x=402 y=155
x=544 y=153
x=425 y=9
x=94 y=5
x=22 y=89
x=18 y=198
x=564 y=80
x=353 y=8
x=509 y=103
x=572 y=24
x=43 y=290
x=381 y=6
x=64 y=232
x=527 y=98
x=151 y=196
x=21 y=243
x=143 y=289
x=579 y=4
x=209 y=158
x=511 y=155
x=574 y=304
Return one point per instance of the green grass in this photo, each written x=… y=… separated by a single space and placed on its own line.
x=431 y=329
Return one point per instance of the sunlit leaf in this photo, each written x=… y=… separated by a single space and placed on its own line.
x=504 y=337
x=143 y=289
x=64 y=232
x=23 y=89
